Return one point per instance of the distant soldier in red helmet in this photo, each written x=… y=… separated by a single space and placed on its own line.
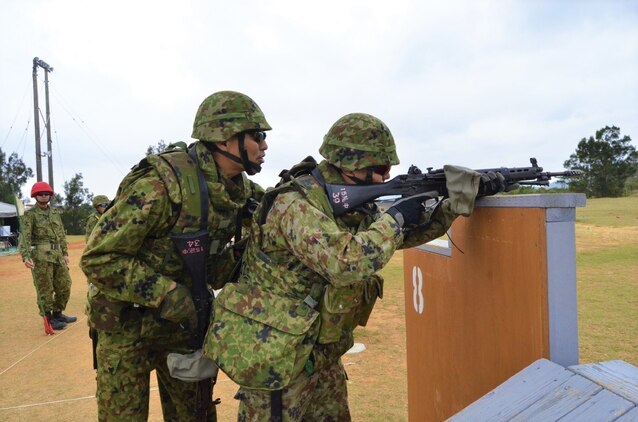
x=44 y=251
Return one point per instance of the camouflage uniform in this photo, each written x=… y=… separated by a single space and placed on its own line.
x=92 y=220
x=43 y=240
x=132 y=263
x=308 y=280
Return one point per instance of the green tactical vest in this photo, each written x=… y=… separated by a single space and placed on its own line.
x=341 y=308
x=178 y=171
x=287 y=327
x=177 y=167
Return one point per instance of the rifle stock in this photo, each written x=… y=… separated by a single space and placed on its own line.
x=193 y=248
x=345 y=198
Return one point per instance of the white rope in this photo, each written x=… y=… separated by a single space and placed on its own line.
x=56 y=335
x=23 y=406
x=45 y=403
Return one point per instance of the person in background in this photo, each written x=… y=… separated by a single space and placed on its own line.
x=44 y=251
x=100 y=203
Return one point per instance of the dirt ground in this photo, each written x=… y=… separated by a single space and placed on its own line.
x=45 y=378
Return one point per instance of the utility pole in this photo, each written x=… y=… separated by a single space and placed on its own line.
x=36 y=122
x=38 y=152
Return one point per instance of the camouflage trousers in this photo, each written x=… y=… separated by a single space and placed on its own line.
x=52 y=286
x=125 y=358
x=322 y=396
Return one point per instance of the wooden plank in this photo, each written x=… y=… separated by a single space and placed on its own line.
x=617 y=376
x=563 y=399
x=631 y=416
x=603 y=407
x=517 y=393
x=476 y=318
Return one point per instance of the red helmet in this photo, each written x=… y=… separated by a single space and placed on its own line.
x=41 y=187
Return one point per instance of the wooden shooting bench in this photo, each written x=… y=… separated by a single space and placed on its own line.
x=545 y=391
x=501 y=299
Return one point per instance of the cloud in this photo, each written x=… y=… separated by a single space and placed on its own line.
x=474 y=83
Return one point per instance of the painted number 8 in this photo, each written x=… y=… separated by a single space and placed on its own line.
x=417 y=292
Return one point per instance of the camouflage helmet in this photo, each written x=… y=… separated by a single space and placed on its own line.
x=100 y=199
x=226 y=113
x=357 y=141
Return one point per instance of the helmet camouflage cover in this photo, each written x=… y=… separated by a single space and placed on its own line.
x=357 y=141
x=226 y=113
x=100 y=199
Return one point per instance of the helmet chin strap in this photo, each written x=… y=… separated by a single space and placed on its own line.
x=367 y=181
x=250 y=167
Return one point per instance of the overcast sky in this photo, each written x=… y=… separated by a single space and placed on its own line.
x=475 y=83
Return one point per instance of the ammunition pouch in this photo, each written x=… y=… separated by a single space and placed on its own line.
x=280 y=330
x=324 y=355
x=343 y=308
x=373 y=289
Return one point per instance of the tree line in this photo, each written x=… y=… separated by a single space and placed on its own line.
x=608 y=159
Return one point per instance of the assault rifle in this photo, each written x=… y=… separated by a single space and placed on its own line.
x=344 y=198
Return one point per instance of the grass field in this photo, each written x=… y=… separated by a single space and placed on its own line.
x=607 y=274
x=51 y=378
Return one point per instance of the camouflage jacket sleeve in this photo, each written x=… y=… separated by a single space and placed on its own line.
x=340 y=256
x=26 y=228
x=440 y=221
x=111 y=258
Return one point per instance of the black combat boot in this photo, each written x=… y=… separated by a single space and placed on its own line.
x=59 y=316
x=56 y=324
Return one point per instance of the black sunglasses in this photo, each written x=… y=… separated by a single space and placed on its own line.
x=258 y=135
x=380 y=170
x=105 y=204
x=43 y=194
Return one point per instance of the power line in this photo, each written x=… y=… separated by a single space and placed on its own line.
x=82 y=125
x=26 y=89
x=57 y=143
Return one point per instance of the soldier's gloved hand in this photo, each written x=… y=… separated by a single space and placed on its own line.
x=178 y=307
x=408 y=211
x=491 y=183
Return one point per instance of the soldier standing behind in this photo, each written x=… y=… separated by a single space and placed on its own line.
x=310 y=278
x=44 y=251
x=100 y=203
x=141 y=304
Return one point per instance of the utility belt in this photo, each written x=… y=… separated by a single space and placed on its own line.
x=47 y=246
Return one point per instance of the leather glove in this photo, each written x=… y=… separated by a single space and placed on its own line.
x=491 y=183
x=408 y=211
x=178 y=307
